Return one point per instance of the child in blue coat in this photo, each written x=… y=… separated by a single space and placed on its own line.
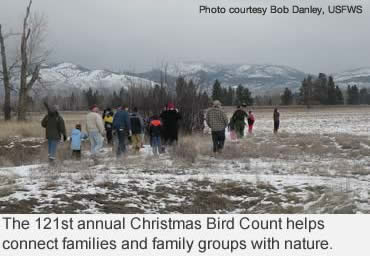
x=76 y=137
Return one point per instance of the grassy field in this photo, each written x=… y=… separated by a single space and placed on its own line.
x=319 y=163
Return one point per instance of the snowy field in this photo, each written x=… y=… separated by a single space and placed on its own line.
x=319 y=163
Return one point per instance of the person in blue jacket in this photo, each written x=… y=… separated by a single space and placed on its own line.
x=76 y=137
x=122 y=127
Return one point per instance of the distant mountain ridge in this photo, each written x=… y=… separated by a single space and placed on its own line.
x=69 y=76
x=359 y=76
x=260 y=79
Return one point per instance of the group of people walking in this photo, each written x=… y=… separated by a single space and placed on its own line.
x=122 y=128
x=119 y=129
x=217 y=120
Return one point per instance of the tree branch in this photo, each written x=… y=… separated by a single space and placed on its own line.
x=34 y=78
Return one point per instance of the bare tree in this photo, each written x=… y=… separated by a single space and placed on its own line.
x=32 y=57
x=6 y=73
x=5 y=78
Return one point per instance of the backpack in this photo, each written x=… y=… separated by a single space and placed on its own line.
x=135 y=125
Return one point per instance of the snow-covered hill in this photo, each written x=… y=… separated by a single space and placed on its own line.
x=258 y=78
x=68 y=76
x=359 y=76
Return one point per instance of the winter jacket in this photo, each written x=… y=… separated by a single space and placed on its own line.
x=76 y=137
x=276 y=116
x=108 y=121
x=239 y=115
x=121 y=120
x=170 y=120
x=216 y=119
x=54 y=126
x=155 y=128
x=238 y=118
x=94 y=123
x=137 y=123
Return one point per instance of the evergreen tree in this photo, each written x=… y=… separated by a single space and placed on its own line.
x=353 y=95
x=243 y=96
x=92 y=97
x=356 y=95
x=217 y=91
x=321 y=89
x=287 y=97
x=230 y=96
x=305 y=92
x=332 y=96
x=224 y=98
x=239 y=94
x=248 y=99
x=339 y=99
x=364 y=96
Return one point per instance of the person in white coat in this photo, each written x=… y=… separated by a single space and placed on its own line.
x=95 y=129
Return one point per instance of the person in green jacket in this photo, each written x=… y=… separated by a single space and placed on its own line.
x=238 y=121
x=55 y=130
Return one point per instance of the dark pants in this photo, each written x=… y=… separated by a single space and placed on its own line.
x=109 y=135
x=276 y=126
x=239 y=129
x=76 y=154
x=218 y=138
x=121 y=147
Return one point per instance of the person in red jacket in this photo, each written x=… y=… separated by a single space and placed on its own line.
x=155 y=128
x=251 y=120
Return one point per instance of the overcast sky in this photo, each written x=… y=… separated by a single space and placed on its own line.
x=136 y=35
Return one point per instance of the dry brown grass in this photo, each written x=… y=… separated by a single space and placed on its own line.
x=32 y=127
x=23 y=129
x=187 y=149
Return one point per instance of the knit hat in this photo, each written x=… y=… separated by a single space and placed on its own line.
x=93 y=106
x=216 y=103
x=170 y=105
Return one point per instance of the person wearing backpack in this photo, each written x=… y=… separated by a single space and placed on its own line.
x=122 y=127
x=108 y=121
x=155 y=128
x=137 y=128
x=54 y=130
x=238 y=119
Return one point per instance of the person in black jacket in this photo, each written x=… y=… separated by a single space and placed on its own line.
x=238 y=121
x=54 y=130
x=276 y=117
x=164 y=137
x=170 y=119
